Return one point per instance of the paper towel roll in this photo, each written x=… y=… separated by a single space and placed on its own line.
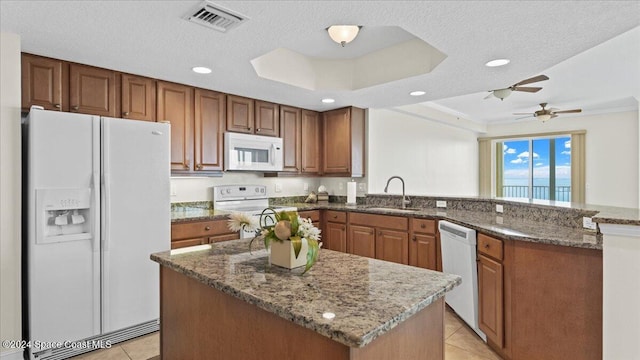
x=351 y=192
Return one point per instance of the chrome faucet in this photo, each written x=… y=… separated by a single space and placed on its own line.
x=405 y=199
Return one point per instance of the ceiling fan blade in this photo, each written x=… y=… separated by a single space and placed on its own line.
x=553 y=116
x=527 y=89
x=530 y=114
x=524 y=117
x=567 y=111
x=532 y=80
x=488 y=96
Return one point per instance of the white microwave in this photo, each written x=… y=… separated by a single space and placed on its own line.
x=252 y=152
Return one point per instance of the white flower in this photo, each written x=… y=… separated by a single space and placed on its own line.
x=307 y=230
x=241 y=221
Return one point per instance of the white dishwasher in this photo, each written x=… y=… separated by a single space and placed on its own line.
x=458 y=246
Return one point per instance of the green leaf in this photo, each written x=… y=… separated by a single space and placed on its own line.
x=294 y=223
x=296 y=242
x=312 y=254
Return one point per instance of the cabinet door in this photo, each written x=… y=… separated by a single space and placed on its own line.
x=310 y=142
x=290 y=130
x=422 y=251
x=240 y=114
x=337 y=143
x=335 y=237
x=175 y=104
x=392 y=246
x=42 y=83
x=209 y=129
x=92 y=90
x=490 y=299
x=138 y=98
x=362 y=241
x=267 y=119
x=187 y=242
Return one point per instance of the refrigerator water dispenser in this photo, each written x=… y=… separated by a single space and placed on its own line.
x=63 y=215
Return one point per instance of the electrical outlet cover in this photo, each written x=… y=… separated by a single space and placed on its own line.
x=499 y=208
x=441 y=204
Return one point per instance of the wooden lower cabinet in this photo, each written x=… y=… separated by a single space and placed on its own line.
x=192 y=233
x=362 y=241
x=424 y=249
x=490 y=299
x=314 y=215
x=335 y=237
x=392 y=245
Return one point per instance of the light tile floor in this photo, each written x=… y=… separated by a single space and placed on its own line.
x=461 y=343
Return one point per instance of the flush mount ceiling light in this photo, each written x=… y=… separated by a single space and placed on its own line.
x=417 y=93
x=201 y=70
x=497 y=62
x=343 y=34
x=543 y=117
x=328 y=101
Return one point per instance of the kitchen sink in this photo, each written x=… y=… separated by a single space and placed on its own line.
x=390 y=209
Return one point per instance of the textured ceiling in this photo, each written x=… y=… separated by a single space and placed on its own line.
x=151 y=38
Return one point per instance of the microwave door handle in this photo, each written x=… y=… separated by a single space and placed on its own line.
x=272 y=154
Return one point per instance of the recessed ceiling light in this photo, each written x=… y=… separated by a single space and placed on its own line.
x=497 y=62
x=201 y=70
x=417 y=93
x=328 y=101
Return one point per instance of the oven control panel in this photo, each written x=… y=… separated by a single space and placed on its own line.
x=239 y=192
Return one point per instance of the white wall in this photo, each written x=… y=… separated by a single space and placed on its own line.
x=611 y=150
x=10 y=188
x=431 y=157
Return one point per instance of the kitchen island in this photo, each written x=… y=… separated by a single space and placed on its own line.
x=222 y=301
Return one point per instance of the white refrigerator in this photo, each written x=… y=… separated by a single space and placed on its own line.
x=97 y=205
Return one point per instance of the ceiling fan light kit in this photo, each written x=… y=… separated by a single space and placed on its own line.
x=546 y=114
x=503 y=93
x=543 y=117
x=343 y=34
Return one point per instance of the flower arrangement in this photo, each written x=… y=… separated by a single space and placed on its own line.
x=281 y=226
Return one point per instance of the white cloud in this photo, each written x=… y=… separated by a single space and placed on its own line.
x=539 y=164
x=562 y=171
x=511 y=151
x=517 y=161
x=525 y=154
x=567 y=144
x=566 y=152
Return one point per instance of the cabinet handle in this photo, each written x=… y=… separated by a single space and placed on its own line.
x=380 y=233
x=198 y=166
x=335 y=216
x=57 y=106
x=207 y=228
x=423 y=226
x=186 y=164
x=258 y=130
x=248 y=128
x=126 y=113
x=414 y=238
x=486 y=246
x=75 y=107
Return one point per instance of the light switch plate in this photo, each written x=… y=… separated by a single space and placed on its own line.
x=588 y=223
x=361 y=186
x=306 y=187
x=173 y=190
x=499 y=208
x=278 y=187
x=441 y=203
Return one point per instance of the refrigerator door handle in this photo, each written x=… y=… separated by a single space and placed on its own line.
x=96 y=200
x=106 y=219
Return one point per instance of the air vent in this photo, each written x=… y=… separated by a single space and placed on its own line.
x=215 y=17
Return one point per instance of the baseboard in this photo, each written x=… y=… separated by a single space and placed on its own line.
x=15 y=354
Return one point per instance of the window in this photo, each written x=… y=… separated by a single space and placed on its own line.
x=535 y=168
x=547 y=166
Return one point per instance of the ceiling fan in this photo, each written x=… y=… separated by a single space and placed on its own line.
x=503 y=93
x=546 y=114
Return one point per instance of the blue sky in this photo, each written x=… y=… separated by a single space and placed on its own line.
x=516 y=158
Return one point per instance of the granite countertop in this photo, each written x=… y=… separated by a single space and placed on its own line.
x=368 y=296
x=504 y=227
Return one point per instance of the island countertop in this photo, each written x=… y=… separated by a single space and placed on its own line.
x=367 y=296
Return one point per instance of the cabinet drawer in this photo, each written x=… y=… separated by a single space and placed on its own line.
x=314 y=215
x=490 y=246
x=423 y=226
x=380 y=221
x=225 y=237
x=336 y=216
x=186 y=242
x=199 y=229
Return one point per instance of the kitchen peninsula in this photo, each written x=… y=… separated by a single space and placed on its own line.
x=225 y=302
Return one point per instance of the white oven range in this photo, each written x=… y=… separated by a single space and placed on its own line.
x=248 y=199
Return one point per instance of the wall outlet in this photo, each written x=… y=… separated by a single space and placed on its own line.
x=173 y=190
x=362 y=186
x=441 y=204
x=340 y=186
x=499 y=220
x=499 y=208
x=278 y=187
x=305 y=187
x=587 y=223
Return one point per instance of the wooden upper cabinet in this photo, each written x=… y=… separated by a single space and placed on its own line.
x=290 y=124
x=44 y=83
x=343 y=142
x=92 y=90
x=209 y=129
x=175 y=104
x=138 y=100
x=267 y=118
x=240 y=116
x=311 y=150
